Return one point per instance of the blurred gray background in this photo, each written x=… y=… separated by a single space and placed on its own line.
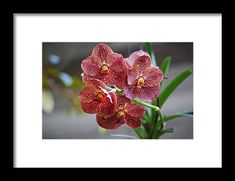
x=61 y=122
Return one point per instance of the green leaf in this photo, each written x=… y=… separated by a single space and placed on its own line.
x=141 y=132
x=168 y=130
x=165 y=67
x=149 y=49
x=146 y=117
x=154 y=113
x=167 y=91
x=178 y=115
x=158 y=124
x=77 y=83
x=138 y=101
x=164 y=131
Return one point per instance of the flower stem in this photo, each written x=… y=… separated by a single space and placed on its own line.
x=118 y=91
x=115 y=89
x=158 y=125
x=137 y=101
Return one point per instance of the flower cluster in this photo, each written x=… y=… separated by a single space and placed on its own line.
x=135 y=75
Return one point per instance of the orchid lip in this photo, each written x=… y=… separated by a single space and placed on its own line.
x=107 y=94
x=104 y=69
x=140 y=81
x=120 y=114
x=99 y=96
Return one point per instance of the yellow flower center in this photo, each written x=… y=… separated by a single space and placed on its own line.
x=140 y=81
x=99 y=96
x=104 y=69
x=120 y=114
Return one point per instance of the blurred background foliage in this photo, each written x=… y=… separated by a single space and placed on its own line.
x=55 y=80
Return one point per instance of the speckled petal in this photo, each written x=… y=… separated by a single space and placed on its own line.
x=111 y=122
x=91 y=65
x=102 y=77
x=90 y=90
x=96 y=83
x=102 y=50
x=153 y=76
x=138 y=69
x=135 y=110
x=88 y=93
x=108 y=105
x=132 y=122
x=88 y=96
x=149 y=93
x=118 y=71
x=122 y=100
x=117 y=79
x=133 y=75
x=132 y=91
x=86 y=77
x=116 y=62
x=143 y=62
x=135 y=55
x=90 y=107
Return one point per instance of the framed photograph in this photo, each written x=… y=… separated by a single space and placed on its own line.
x=100 y=90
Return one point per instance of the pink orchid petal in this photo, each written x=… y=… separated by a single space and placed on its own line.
x=86 y=78
x=135 y=55
x=91 y=65
x=138 y=68
x=100 y=77
x=122 y=100
x=88 y=94
x=90 y=107
x=133 y=75
x=132 y=122
x=102 y=50
x=132 y=91
x=153 y=76
x=96 y=83
x=108 y=105
x=117 y=79
x=103 y=77
x=149 y=93
x=118 y=71
x=111 y=122
x=135 y=110
x=143 y=62
x=92 y=87
x=116 y=62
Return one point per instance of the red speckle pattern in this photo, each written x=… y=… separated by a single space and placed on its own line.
x=140 y=68
x=135 y=75
x=102 y=55
x=94 y=99
x=132 y=114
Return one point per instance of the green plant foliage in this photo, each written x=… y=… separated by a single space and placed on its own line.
x=168 y=90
